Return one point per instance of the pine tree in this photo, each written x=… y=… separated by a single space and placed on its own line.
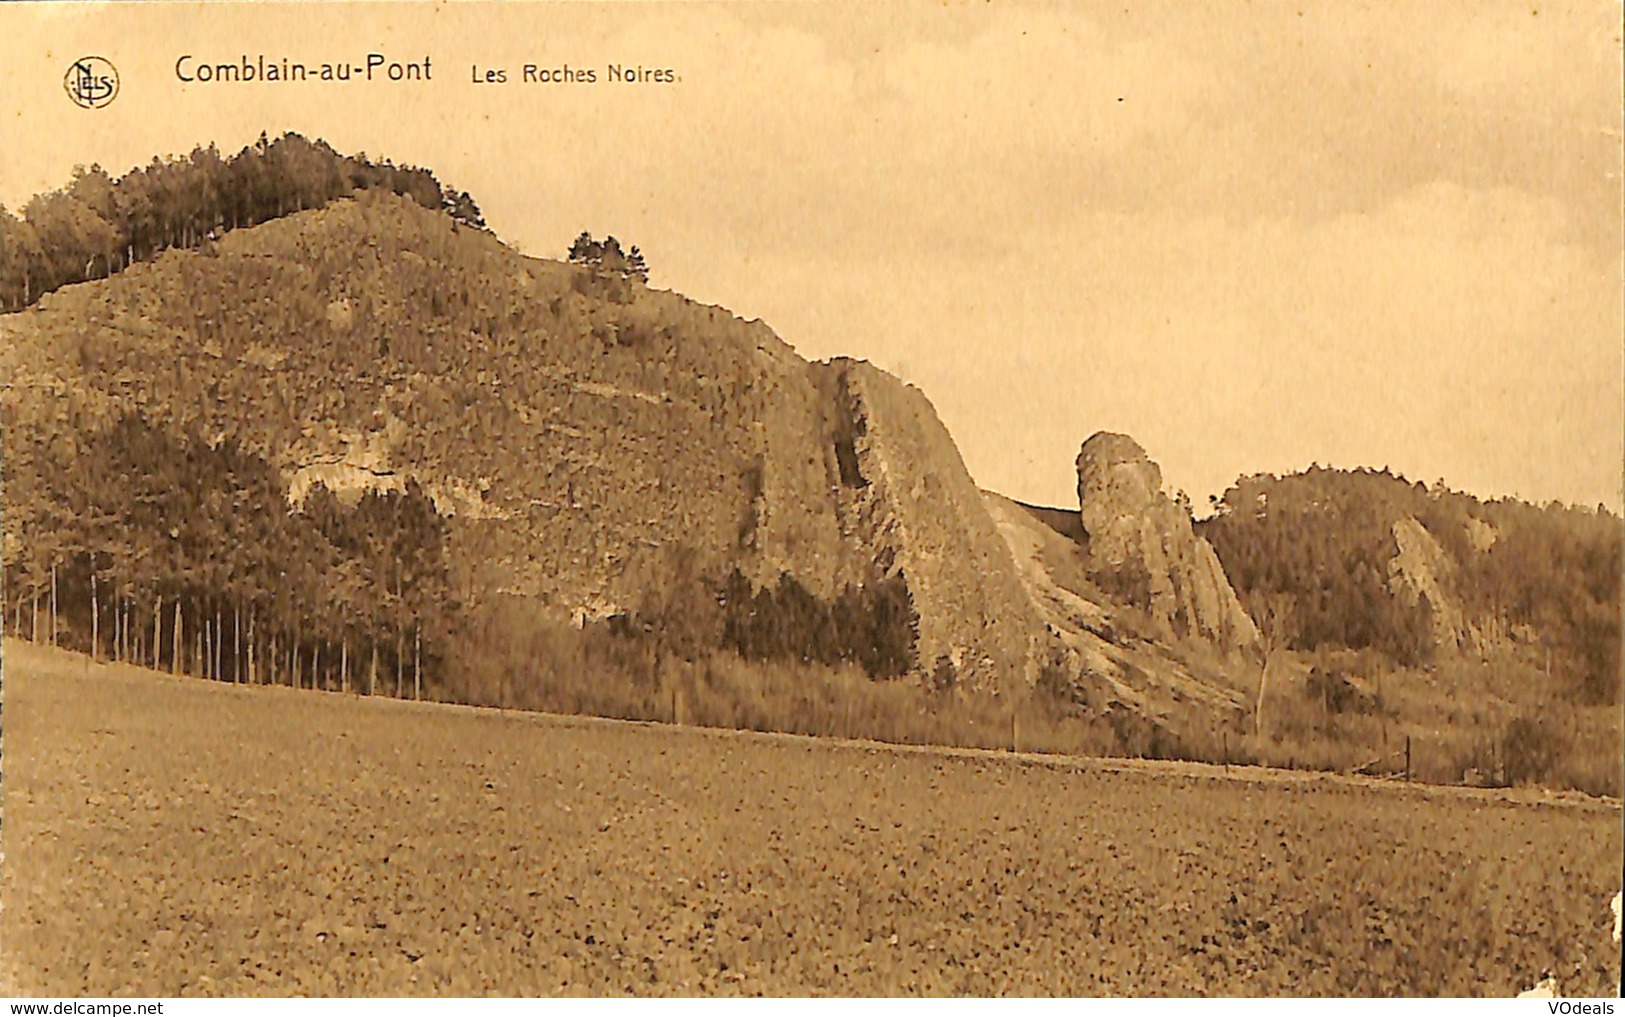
x=606 y=256
x=585 y=250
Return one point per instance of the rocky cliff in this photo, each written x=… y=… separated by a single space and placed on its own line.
x=1141 y=546
x=907 y=502
x=589 y=443
x=1423 y=575
x=1099 y=645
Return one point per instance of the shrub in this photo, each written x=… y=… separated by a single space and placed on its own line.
x=1129 y=583
x=1338 y=693
x=1529 y=752
x=1054 y=686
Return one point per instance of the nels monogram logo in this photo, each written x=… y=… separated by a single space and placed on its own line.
x=91 y=81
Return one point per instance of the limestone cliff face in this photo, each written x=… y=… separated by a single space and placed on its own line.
x=1481 y=535
x=851 y=477
x=1422 y=571
x=906 y=501
x=1141 y=546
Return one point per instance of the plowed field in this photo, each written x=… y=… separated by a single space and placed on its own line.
x=172 y=837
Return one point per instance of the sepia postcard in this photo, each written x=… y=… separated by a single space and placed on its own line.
x=796 y=499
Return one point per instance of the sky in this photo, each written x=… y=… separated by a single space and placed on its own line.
x=1254 y=236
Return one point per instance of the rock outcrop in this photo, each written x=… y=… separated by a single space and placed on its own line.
x=1422 y=572
x=906 y=501
x=1094 y=644
x=1481 y=535
x=1141 y=547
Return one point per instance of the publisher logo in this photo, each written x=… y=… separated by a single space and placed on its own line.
x=91 y=81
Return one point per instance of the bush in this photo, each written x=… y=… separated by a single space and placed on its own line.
x=606 y=286
x=1338 y=693
x=1529 y=752
x=1055 y=686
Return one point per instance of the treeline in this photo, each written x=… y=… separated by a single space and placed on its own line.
x=1324 y=539
x=99 y=224
x=139 y=545
x=872 y=626
x=135 y=543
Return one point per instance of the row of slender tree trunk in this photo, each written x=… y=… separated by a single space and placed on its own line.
x=224 y=644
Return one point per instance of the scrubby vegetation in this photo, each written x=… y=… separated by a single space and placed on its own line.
x=614 y=668
x=1463 y=720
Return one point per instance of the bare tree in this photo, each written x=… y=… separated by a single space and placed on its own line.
x=1277 y=618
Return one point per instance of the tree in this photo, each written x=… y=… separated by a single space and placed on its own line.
x=585 y=250
x=460 y=206
x=95 y=193
x=1278 y=621
x=606 y=257
x=21 y=262
x=610 y=257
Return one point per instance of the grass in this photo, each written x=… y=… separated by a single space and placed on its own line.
x=1495 y=722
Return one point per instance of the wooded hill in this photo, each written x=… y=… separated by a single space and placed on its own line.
x=99 y=224
x=1325 y=540
x=175 y=435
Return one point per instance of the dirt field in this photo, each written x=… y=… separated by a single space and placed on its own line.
x=177 y=837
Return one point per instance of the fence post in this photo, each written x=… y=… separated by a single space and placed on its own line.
x=1224 y=740
x=1407 y=758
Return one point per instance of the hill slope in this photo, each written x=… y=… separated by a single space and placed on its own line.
x=589 y=441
